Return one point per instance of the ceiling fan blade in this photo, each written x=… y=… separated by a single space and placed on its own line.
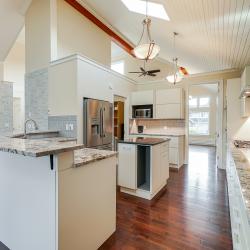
x=143 y=74
x=137 y=72
x=154 y=71
x=151 y=74
x=142 y=69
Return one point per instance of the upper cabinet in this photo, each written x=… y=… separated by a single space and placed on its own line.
x=142 y=97
x=169 y=104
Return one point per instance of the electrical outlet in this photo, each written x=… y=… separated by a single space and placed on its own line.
x=67 y=126
x=71 y=126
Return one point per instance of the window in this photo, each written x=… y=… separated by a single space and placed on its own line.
x=193 y=102
x=198 y=123
x=154 y=9
x=204 y=102
x=118 y=67
x=199 y=109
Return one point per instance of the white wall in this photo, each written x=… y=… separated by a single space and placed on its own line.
x=237 y=127
x=14 y=70
x=78 y=77
x=76 y=34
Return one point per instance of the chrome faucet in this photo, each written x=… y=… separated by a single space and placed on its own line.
x=25 y=126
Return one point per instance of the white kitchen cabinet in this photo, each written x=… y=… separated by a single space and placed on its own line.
x=127 y=165
x=176 y=148
x=166 y=96
x=143 y=170
x=142 y=97
x=169 y=104
x=169 y=111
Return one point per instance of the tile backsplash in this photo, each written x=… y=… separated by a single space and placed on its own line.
x=156 y=124
x=66 y=125
x=36 y=97
x=6 y=107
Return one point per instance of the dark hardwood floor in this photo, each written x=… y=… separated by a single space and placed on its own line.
x=192 y=213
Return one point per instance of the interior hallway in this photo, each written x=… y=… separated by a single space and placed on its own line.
x=192 y=213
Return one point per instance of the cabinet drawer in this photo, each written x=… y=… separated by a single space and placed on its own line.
x=168 y=111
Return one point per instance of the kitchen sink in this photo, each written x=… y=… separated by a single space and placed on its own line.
x=38 y=135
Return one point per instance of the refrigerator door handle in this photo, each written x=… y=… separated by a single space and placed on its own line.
x=101 y=121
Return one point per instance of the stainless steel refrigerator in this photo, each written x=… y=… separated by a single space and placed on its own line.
x=97 y=124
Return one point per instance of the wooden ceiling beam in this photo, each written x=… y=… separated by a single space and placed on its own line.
x=115 y=37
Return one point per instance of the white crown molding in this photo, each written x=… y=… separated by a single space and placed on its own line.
x=91 y=62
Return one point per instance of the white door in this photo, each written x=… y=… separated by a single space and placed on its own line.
x=127 y=165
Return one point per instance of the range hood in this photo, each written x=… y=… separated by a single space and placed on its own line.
x=245 y=83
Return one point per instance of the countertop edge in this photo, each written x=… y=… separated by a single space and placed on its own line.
x=98 y=158
x=146 y=144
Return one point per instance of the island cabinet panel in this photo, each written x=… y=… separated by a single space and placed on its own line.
x=27 y=206
x=127 y=165
x=156 y=179
x=87 y=201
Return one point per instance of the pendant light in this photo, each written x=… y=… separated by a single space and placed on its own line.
x=175 y=76
x=149 y=50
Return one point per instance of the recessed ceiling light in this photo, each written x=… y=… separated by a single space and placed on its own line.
x=154 y=9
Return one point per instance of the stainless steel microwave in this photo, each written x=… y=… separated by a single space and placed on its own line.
x=142 y=111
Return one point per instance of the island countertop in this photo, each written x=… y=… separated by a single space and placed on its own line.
x=37 y=147
x=87 y=155
x=149 y=141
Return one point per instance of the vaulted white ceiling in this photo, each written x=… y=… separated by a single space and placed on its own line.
x=213 y=34
x=12 y=20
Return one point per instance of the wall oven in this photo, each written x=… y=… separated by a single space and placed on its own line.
x=142 y=111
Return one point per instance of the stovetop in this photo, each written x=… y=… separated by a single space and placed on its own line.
x=241 y=144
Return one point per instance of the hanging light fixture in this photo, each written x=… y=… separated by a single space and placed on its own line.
x=149 y=50
x=175 y=76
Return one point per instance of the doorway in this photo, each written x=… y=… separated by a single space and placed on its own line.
x=118 y=118
x=205 y=117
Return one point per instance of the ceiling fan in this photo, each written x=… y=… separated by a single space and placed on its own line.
x=144 y=72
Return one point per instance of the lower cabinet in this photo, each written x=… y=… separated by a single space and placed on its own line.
x=240 y=226
x=127 y=165
x=143 y=170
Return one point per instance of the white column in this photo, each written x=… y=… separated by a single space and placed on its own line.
x=40 y=34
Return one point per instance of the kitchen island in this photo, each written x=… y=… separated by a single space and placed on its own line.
x=55 y=194
x=143 y=166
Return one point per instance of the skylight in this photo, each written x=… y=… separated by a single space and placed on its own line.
x=154 y=9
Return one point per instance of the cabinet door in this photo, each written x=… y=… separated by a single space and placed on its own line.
x=169 y=111
x=127 y=165
x=173 y=156
x=165 y=162
x=142 y=97
x=166 y=96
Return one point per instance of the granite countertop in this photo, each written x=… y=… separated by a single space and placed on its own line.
x=88 y=155
x=38 y=147
x=241 y=158
x=150 y=141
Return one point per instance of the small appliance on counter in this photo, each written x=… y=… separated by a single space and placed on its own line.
x=142 y=111
x=140 y=129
